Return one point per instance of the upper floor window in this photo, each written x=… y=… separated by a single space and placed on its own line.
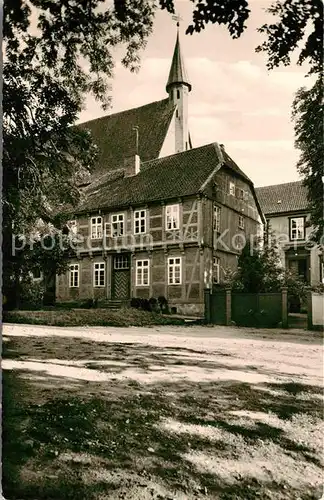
x=322 y=269
x=172 y=217
x=216 y=219
x=232 y=188
x=178 y=94
x=240 y=193
x=99 y=274
x=174 y=270
x=216 y=268
x=96 y=227
x=139 y=221
x=142 y=273
x=297 y=228
x=117 y=224
x=74 y=276
x=241 y=222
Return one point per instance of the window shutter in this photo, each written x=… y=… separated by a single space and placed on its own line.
x=107 y=229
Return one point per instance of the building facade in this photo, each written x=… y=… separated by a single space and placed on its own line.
x=286 y=211
x=158 y=217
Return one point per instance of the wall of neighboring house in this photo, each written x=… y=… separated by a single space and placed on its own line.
x=296 y=254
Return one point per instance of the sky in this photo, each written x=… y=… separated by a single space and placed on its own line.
x=234 y=100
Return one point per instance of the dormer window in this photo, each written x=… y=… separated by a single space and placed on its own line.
x=96 y=227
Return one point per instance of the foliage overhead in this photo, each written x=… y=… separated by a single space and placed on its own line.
x=309 y=133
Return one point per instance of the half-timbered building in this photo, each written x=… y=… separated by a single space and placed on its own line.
x=158 y=217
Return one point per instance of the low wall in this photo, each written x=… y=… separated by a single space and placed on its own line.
x=317 y=309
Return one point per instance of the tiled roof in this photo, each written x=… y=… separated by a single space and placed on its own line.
x=116 y=139
x=178 y=72
x=281 y=198
x=170 y=177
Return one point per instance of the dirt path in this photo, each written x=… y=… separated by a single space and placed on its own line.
x=180 y=413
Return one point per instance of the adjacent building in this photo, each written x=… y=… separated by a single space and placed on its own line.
x=287 y=214
x=158 y=217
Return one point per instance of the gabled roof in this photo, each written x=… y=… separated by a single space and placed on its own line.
x=174 y=176
x=178 y=72
x=282 y=198
x=116 y=139
x=171 y=177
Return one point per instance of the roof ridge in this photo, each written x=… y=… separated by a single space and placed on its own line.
x=282 y=184
x=123 y=111
x=179 y=153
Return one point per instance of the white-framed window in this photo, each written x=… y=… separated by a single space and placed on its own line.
x=140 y=222
x=231 y=189
x=216 y=218
x=99 y=272
x=73 y=227
x=142 y=273
x=322 y=269
x=172 y=217
x=216 y=268
x=74 y=276
x=121 y=262
x=117 y=225
x=297 y=228
x=174 y=271
x=241 y=222
x=96 y=227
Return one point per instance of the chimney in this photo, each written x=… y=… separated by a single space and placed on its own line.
x=132 y=165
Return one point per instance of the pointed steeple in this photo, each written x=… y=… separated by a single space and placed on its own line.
x=178 y=74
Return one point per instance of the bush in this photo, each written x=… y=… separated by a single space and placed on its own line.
x=163 y=303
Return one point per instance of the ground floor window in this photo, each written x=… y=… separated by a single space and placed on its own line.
x=174 y=270
x=74 y=275
x=142 y=273
x=99 y=274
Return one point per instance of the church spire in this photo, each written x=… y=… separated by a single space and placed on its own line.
x=178 y=88
x=178 y=74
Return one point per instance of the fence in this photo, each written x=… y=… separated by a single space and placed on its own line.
x=267 y=310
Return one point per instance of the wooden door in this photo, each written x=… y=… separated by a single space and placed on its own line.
x=121 y=277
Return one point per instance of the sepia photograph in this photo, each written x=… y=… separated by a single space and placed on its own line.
x=162 y=250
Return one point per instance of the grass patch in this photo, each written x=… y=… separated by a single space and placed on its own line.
x=90 y=317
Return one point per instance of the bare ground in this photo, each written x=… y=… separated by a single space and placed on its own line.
x=162 y=413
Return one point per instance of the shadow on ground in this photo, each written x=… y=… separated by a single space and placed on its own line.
x=74 y=440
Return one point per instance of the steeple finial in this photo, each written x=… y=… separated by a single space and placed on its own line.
x=177 y=73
